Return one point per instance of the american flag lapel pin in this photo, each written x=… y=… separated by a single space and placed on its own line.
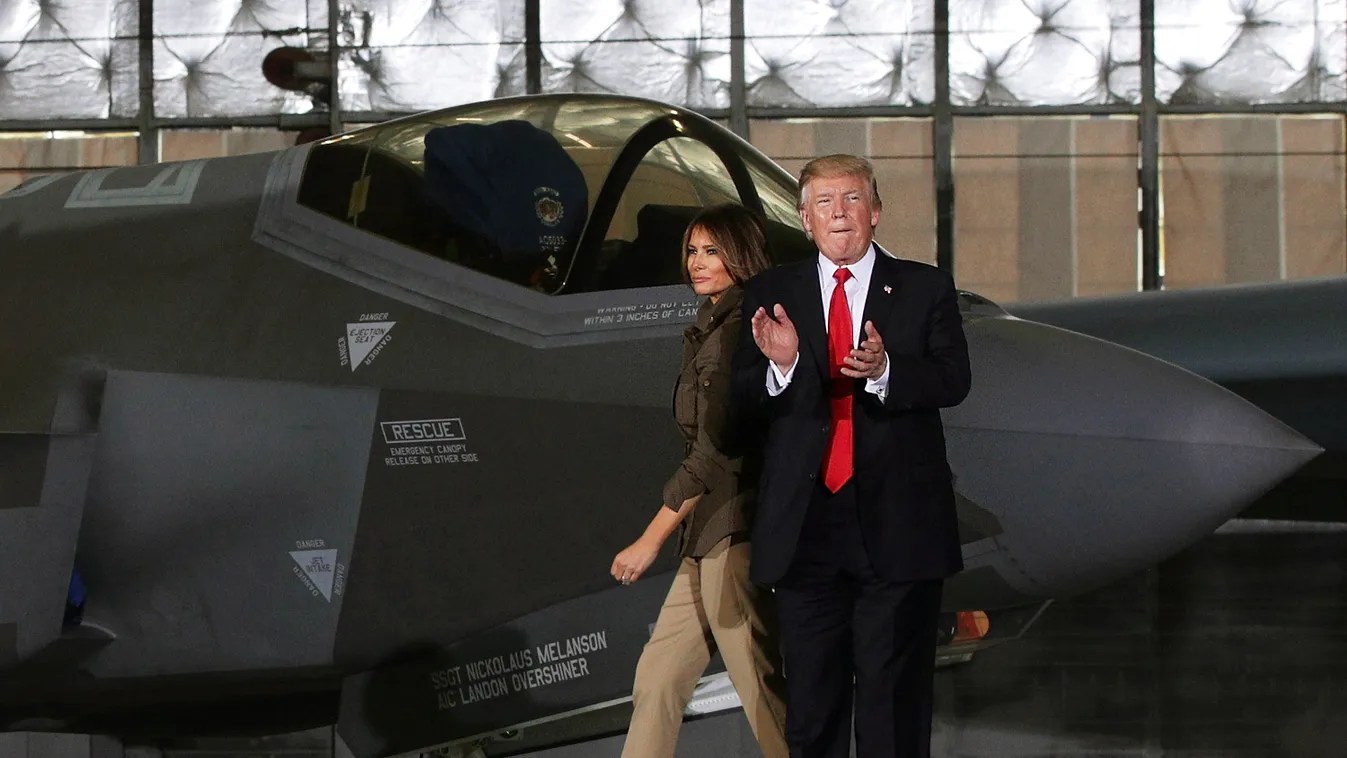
x=888 y=290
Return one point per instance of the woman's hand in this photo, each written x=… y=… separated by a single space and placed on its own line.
x=633 y=561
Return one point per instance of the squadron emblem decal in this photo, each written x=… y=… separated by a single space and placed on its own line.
x=548 y=205
x=364 y=340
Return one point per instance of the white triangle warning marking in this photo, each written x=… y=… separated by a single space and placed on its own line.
x=363 y=337
x=318 y=566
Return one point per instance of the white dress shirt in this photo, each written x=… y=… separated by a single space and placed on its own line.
x=856 y=289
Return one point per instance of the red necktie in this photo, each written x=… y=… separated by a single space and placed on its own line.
x=837 y=459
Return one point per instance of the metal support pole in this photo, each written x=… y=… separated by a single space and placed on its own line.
x=533 y=47
x=147 y=143
x=943 y=143
x=334 y=67
x=738 y=85
x=1150 y=155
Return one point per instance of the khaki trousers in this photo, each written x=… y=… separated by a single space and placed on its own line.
x=711 y=606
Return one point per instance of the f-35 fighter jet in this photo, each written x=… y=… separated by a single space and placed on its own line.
x=349 y=433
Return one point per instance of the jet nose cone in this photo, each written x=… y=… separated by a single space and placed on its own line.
x=1107 y=460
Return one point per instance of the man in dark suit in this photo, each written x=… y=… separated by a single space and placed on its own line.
x=849 y=359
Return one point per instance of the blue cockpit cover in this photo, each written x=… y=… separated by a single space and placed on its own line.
x=509 y=182
x=74 y=600
x=77 y=591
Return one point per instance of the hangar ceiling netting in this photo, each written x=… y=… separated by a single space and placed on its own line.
x=81 y=59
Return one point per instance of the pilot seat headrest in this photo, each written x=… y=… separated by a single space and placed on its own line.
x=511 y=183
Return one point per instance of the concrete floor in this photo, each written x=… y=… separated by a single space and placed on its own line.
x=1235 y=648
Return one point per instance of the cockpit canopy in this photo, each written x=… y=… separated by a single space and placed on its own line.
x=560 y=194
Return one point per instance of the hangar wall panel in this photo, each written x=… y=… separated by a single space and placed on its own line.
x=24 y=156
x=1252 y=198
x=72 y=59
x=412 y=55
x=1066 y=52
x=861 y=52
x=677 y=51
x=1260 y=51
x=900 y=150
x=1045 y=208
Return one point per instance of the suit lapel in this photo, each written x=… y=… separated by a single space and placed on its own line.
x=808 y=317
x=880 y=298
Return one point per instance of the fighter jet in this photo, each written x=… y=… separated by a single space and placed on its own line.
x=1280 y=345
x=349 y=433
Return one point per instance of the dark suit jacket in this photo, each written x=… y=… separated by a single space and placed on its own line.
x=902 y=479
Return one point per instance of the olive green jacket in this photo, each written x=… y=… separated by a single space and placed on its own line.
x=701 y=408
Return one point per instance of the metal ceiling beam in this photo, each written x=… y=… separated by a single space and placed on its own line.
x=72 y=125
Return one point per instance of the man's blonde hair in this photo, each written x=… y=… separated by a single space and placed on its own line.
x=839 y=164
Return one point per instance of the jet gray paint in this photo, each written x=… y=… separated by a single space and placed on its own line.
x=212 y=428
